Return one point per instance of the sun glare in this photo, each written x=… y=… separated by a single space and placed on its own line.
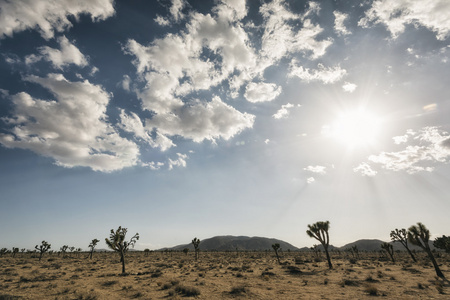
x=356 y=128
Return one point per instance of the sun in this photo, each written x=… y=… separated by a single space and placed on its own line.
x=356 y=128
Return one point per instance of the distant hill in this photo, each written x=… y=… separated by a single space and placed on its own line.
x=364 y=245
x=231 y=243
x=375 y=245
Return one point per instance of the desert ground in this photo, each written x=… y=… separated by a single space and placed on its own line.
x=221 y=275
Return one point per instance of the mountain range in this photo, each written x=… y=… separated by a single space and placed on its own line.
x=245 y=243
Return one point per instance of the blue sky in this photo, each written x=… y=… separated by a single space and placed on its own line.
x=181 y=119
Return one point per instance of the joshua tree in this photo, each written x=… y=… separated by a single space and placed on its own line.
x=117 y=243
x=316 y=250
x=319 y=231
x=443 y=243
x=44 y=247
x=146 y=251
x=185 y=251
x=64 y=250
x=196 y=243
x=402 y=237
x=3 y=251
x=92 y=247
x=276 y=247
x=389 y=249
x=15 y=251
x=419 y=235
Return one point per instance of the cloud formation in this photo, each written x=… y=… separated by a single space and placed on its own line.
x=261 y=92
x=283 y=112
x=428 y=147
x=72 y=129
x=59 y=58
x=316 y=169
x=395 y=15
x=48 y=16
x=326 y=75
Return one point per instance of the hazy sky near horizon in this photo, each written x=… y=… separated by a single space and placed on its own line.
x=180 y=119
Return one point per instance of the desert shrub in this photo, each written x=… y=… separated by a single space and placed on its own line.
x=157 y=273
x=187 y=291
x=371 y=290
x=8 y=297
x=293 y=270
x=109 y=283
x=349 y=282
x=369 y=278
x=239 y=290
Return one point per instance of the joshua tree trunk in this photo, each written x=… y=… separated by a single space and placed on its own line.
x=122 y=259
x=435 y=265
x=411 y=254
x=328 y=257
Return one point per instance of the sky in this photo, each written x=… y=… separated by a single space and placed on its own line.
x=179 y=119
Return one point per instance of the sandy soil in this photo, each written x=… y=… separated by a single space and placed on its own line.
x=251 y=275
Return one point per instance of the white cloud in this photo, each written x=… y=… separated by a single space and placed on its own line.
x=397 y=14
x=427 y=148
x=261 y=92
x=132 y=123
x=48 y=16
x=153 y=165
x=68 y=54
x=281 y=38
x=283 y=112
x=202 y=121
x=176 y=9
x=316 y=169
x=310 y=180
x=365 y=169
x=339 y=26
x=322 y=73
x=125 y=83
x=267 y=141
x=176 y=13
x=73 y=129
x=179 y=162
x=161 y=21
x=349 y=87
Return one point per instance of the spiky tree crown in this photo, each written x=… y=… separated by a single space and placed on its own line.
x=196 y=242
x=319 y=231
x=93 y=243
x=276 y=246
x=117 y=241
x=43 y=247
x=419 y=235
x=386 y=246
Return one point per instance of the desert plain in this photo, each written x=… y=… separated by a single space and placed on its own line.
x=222 y=275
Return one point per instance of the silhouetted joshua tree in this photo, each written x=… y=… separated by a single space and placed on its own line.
x=64 y=250
x=419 y=235
x=185 y=251
x=316 y=250
x=3 y=251
x=319 y=231
x=92 y=247
x=117 y=243
x=276 y=247
x=389 y=249
x=443 y=243
x=44 y=247
x=196 y=243
x=402 y=237
x=15 y=250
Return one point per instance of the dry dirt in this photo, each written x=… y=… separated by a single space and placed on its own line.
x=219 y=275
